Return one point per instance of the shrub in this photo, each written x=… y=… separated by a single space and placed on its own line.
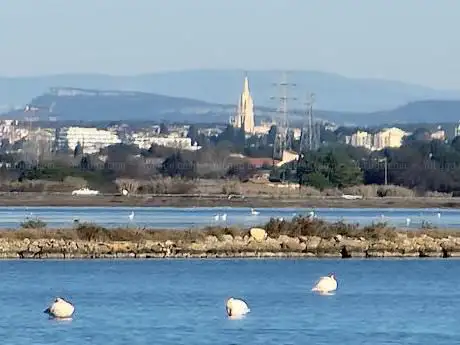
x=331 y=192
x=367 y=191
x=301 y=226
x=231 y=187
x=25 y=186
x=168 y=185
x=310 y=191
x=431 y=194
x=378 y=231
x=33 y=224
x=75 y=182
x=395 y=191
x=92 y=232
x=129 y=184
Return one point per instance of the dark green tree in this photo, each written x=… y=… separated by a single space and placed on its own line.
x=325 y=168
x=177 y=166
x=78 y=151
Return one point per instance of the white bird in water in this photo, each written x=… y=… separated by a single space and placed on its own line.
x=408 y=220
x=131 y=216
x=236 y=307
x=60 y=309
x=224 y=217
x=216 y=217
x=254 y=212
x=439 y=215
x=326 y=284
x=311 y=214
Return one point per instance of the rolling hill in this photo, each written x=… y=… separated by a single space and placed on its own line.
x=333 y=92
x=105 y=105
x=75 y=104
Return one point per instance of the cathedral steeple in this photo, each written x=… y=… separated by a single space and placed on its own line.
x=245 y=114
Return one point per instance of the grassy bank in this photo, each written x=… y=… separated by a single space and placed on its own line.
x=299 y=226
x=300 y=237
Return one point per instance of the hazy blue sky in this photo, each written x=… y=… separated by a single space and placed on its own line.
x=409 y=40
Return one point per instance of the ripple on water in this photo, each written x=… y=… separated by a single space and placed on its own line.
x=179 y=218
x=183 y=302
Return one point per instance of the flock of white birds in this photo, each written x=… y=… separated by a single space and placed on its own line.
x=235 y=307
x=217 y=217
x=62 y=309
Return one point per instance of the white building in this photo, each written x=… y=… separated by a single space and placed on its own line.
x=362 y=139
x=9 y=129
x=91 y=139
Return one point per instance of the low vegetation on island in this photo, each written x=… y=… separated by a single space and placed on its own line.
x=301 y=237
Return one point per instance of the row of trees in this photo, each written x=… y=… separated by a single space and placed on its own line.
x=418 y=164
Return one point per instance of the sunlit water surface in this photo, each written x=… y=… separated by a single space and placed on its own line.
x=182 y=302
x=182 y=217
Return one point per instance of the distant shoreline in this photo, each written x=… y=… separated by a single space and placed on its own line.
x=65 y=200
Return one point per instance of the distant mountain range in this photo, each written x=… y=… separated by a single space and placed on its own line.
x=71 y=104
x=75 y=104
x=333 y=92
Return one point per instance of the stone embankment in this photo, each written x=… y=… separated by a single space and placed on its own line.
x=255 y=244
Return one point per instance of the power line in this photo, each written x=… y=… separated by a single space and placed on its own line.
x=310 y=136
x=281 y=119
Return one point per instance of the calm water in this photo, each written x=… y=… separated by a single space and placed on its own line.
x=182 y=302
x=180 y=218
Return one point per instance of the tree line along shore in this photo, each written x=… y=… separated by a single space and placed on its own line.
x=302 y=237
x=230 y=164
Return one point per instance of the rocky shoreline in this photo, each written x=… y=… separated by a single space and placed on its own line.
x=255 y=243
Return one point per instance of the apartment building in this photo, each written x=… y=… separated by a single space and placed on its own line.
x=91 y=139
x=387 y=137
x=362 y=139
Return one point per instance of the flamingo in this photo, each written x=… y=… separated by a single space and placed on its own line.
x=236 y=307
x=60 y=309
x=326 y=284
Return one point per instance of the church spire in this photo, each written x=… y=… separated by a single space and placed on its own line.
x=245 y=112
x=246 y=84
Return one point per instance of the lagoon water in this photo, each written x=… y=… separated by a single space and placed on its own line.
x=189 y=217
x=165 y=302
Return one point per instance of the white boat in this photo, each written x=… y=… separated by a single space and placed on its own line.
x=352 y=197
x=85 y=191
